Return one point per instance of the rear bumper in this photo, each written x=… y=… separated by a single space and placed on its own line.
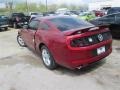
x=81 y=63
x=73 y=58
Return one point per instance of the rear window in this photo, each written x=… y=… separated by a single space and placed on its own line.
x=67 y=23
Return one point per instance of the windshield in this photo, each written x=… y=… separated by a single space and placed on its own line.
x=67 y=23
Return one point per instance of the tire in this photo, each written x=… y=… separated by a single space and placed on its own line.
x=15 y=25
x=20 y=41
x=47 y=58
x=6 y=28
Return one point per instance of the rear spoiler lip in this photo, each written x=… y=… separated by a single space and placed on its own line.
x=70 y=32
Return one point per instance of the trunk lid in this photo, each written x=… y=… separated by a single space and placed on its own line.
x=83 y=30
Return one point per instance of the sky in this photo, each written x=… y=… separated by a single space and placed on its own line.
x=55 y=1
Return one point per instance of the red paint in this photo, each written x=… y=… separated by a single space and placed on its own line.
x=59 y=45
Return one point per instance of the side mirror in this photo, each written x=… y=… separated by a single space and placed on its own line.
x=25 y=27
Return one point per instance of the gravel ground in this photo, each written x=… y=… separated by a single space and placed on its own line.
x=21 y=69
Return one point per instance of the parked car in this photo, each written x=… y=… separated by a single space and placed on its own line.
x=62 y=10
x=75 y=12
x=99 y=13
x=113 y=10
x=66 y=41
x=87 y=16
x=67 y=14
x=18 y=19
x=52 y=13
x=3 y=22
x=113 y=20
x=34 y=15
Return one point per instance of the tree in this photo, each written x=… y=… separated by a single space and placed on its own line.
x=42 y=7
x=52 y=7
x=73 y=7
x=32 y=7
x=21 y=7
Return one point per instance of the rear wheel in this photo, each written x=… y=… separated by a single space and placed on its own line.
x=47 y=58
x=20 y=41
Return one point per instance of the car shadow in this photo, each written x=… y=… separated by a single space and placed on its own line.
x=76 y=72
x=4 y=30
x=92 y=67
x=117 y=49
x=116 y=38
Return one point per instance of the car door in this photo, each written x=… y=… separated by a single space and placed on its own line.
x=29 y=34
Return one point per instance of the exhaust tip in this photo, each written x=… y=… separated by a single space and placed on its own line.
x=79 y=67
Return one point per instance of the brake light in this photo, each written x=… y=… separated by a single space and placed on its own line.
x=79 y=43
x=76 y=43
x=89 y=40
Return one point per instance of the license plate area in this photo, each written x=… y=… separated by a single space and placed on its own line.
x=100 y=50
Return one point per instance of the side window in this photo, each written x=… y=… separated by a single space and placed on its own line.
x=44 y=26
x=34 y=25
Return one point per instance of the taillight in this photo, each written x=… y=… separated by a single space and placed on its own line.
x=76 y=43
x=90 y=40
x=79 y=42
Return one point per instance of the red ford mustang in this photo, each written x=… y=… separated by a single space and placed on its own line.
x=66 y=41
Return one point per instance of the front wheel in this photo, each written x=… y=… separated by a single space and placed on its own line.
x=20 y=41
x=47 y=58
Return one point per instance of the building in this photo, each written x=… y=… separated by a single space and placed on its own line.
x=99 y=5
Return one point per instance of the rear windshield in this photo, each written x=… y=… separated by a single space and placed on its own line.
x=68 y=23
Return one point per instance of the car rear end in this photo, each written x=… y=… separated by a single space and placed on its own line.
x=84 y=42
x=88 y=47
